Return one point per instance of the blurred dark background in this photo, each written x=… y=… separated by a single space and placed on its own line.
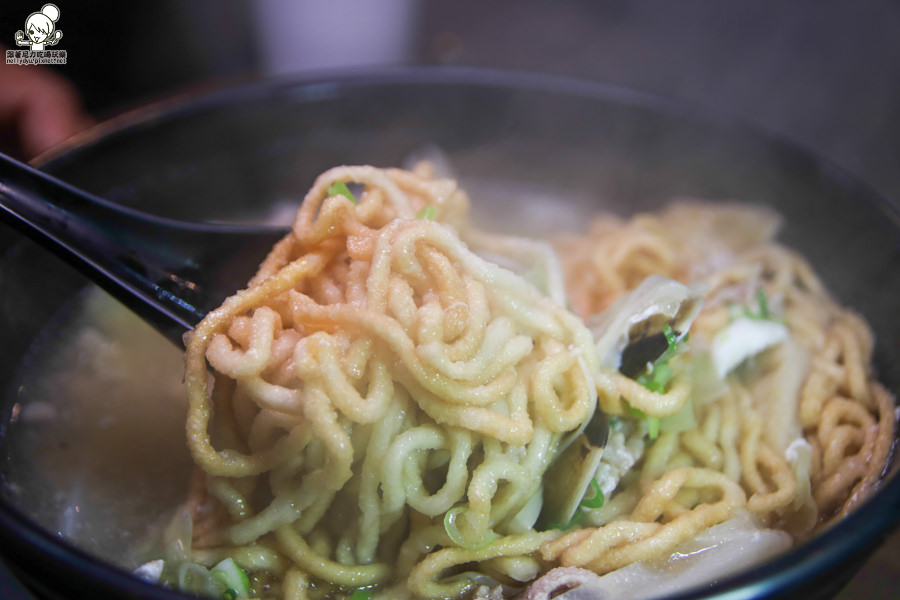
x=824 y=73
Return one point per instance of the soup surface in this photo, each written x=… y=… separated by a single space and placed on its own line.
x=97 y=442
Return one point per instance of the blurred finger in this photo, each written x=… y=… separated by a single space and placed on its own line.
x=38 y=109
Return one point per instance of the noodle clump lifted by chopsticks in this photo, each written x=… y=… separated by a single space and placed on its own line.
x=380 y=408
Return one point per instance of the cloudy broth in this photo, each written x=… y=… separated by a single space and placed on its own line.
x=96 y=442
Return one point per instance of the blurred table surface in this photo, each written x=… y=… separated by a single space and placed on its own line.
x=879 y=578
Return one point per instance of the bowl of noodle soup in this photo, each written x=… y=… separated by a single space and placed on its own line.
x=480 y=262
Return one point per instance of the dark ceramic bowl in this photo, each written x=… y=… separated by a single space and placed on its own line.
x=232 y=153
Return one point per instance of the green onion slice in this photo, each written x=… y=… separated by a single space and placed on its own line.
x=763 y=301
x=635 y=412
x=597 y=499
x=652 y=422
x=428 y=212
x=456 y=537
x=671 y=339
x=339 y=188
x=230 y=575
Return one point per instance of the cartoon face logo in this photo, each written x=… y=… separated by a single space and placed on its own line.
x=40 y=29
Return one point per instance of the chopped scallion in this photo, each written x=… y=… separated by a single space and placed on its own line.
x=233 y=578
x=456 y=537
x=597 y=499
x=660 y=373
x=652 y=422
x=635 y=412
x=763 y=303
x=339 y=188
x=762 y=312
x=657 y=379
x=670 y=337
x=428 y=212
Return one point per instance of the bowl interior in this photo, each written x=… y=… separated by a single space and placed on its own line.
x=238 y=154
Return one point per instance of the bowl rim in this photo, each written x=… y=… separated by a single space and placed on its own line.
x=867 y=526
